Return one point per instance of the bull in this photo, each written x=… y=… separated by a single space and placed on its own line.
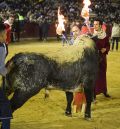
x=31 y=72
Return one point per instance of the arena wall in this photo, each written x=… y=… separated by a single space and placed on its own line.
x=31 y=30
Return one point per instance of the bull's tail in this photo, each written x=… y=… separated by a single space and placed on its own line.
x=10 y=65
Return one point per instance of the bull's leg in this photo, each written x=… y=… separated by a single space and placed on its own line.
x=89 y=96
x=69 y=98
x=19 y=98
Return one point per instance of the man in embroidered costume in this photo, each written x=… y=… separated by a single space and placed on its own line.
x=103 y=47
x=81 y=41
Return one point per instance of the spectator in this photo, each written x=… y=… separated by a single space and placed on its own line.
x=8 y=23
x=45 y=29
x=5 y=109
x=115 y=35
x=16 y=29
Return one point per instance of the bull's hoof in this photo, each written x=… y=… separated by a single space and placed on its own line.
x=46 y=96
x=87 y=117
x=69 y=114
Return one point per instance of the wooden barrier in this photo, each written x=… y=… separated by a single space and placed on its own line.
x=31 y=30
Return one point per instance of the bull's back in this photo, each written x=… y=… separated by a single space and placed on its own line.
x=27 y=71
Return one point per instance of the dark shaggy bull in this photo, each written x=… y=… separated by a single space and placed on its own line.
x=30 y=72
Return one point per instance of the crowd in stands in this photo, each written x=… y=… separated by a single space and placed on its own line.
x=35 y=11
x=107 y=10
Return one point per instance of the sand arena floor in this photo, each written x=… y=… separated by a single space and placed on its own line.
x=38 y=113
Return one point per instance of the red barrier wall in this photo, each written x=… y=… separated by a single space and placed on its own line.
x=31 y=30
